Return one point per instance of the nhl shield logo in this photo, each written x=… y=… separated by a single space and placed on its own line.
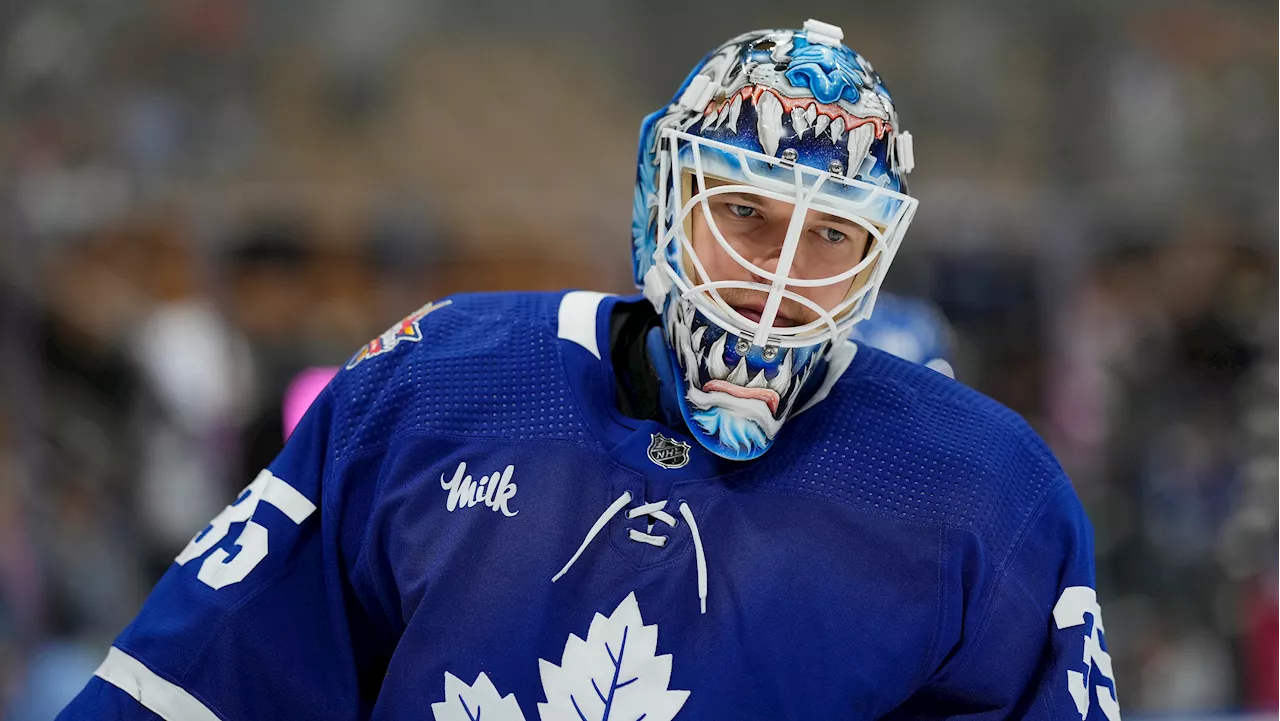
x=667 y=452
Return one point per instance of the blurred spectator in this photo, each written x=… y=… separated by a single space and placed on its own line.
x=1261 y=660
x=270 y=300
x=1188 y=669
x=195 y=365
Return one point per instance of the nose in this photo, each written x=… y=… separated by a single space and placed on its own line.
x=766 y=261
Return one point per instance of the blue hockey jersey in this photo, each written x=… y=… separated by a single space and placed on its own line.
x=463 y=527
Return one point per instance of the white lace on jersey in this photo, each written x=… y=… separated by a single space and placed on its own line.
x=654 y=511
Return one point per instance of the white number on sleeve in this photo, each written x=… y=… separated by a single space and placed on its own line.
x=1069 y=612
x=216 y=571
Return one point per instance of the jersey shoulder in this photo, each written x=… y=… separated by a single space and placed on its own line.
x=900 y=439
x=483 y=364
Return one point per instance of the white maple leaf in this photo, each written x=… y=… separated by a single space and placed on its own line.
x=614 y=675
x=466 y=703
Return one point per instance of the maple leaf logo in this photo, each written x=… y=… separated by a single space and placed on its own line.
x=467 y=703
x=613 y=675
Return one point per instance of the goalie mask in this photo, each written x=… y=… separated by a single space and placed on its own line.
x=770 y=201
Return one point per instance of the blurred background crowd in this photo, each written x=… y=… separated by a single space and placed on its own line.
x=200 y=198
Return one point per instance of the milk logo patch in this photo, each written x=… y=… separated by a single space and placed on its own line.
x=668 y=452
x=408 y=330
x=614 y=674
x=493 y=490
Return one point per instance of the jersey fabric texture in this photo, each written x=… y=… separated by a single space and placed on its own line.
x=907 y=549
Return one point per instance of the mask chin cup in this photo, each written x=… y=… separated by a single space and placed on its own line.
x=733 y=395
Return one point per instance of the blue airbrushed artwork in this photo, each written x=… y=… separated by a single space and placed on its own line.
x=830 y=73
x=767 y=385
x=776 y=92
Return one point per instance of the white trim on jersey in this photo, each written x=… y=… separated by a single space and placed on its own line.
x=166 y=700
x=288 y=499
x=577 y=321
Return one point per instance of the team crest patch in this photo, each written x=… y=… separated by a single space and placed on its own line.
x=667 y=452
x=407 y=330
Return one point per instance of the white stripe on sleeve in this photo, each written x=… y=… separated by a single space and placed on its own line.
x=287 y=498
x=577 y=318
x=164 y=699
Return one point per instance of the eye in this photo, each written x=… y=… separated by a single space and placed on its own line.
x=741 y=211
x=831 y=235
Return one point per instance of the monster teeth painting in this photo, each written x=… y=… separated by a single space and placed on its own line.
x=724 y=116
x=740 y=408
x=790 y=399
x=769 y=122
x=830 y=121
x=715 y=359
x=773 y=392
x=837 y=129
x=782 y=380
x=682 y=340
x=820 y=125
x=739 y=375
x=734 y=110
x=886 y=104
x=859 y=144
x=798 y=122
x=710 y=120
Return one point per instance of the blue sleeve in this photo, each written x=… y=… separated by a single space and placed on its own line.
x=1039 y=651
x=264 y=614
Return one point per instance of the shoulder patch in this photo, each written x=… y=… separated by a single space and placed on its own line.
x=408 y=330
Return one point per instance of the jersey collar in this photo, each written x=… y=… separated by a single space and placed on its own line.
x=583 y=329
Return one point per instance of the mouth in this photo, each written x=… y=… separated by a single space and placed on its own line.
x=754 y=313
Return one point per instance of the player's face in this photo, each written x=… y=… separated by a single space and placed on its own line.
x=756 y=226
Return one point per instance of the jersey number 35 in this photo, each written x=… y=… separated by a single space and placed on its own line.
x=221 y=568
